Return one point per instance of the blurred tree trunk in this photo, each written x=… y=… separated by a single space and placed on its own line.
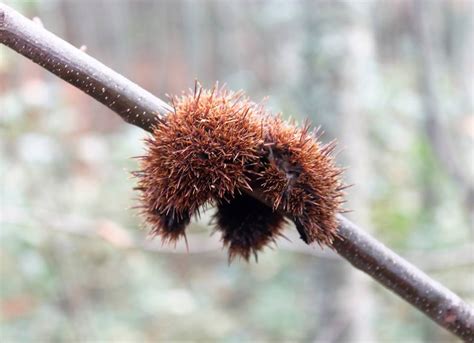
x=356 y=87
x=445 y=148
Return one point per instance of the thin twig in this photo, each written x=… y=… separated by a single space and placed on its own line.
x=140 y=108
x=442 y=260
x=105 y=229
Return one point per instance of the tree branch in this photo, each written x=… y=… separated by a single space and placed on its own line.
x=138 y=107
x=131 y=102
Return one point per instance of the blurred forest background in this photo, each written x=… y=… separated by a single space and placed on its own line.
x=391 y=80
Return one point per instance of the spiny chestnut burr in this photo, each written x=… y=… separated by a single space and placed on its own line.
x=218 y=147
